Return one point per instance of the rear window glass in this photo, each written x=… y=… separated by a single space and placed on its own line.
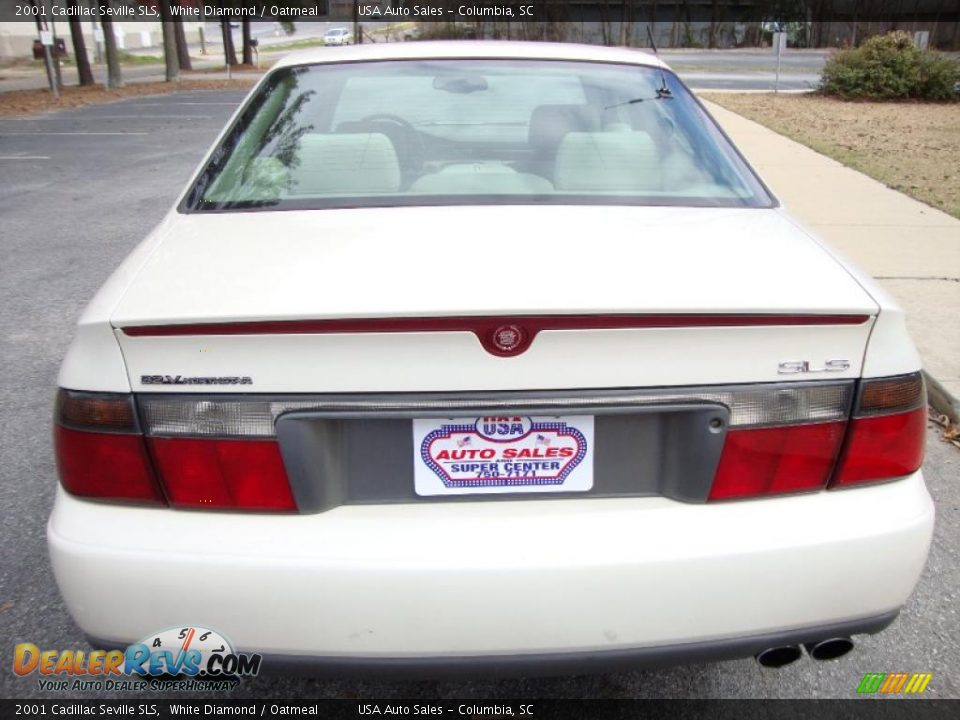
x=472 y=132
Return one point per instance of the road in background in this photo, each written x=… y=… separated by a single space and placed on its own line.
x=81 y=188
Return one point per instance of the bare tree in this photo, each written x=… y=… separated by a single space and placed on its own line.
x=183 y=52
x=606 y=31
x=84 y=73
x=628 y=15
x=714 y=18
x=114 y=76
x=229 y=53
x=247 y=46
x=169 y=42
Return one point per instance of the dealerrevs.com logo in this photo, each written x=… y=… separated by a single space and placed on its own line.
x=182 y=658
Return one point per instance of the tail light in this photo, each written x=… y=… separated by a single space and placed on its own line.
x=772 y=461
x=882 y=440
x=205 y=473
x=103 y=452
x=100 y=451
x=221 y=451
x=886 y=434
x=790 y=450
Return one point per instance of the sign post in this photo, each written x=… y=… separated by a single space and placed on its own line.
x=779 y=45
x=46 y=39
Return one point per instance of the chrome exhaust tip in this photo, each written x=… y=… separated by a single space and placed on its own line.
x=778 y=656
x=830 y=648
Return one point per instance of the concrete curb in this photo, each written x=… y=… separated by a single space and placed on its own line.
x=941 y=399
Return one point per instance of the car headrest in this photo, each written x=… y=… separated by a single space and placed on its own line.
x=481 y=179
x=549 y=123
x=344 y=163
x=607 y=161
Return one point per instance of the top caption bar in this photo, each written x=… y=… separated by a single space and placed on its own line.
x=495 y=11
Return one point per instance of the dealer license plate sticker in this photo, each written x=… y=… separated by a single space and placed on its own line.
x=503 y=454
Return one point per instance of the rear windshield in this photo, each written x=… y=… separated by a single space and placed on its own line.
x=428 y=132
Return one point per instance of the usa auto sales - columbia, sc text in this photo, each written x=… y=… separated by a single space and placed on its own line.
x=471 y=710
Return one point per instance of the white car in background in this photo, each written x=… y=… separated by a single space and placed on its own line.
x=338 y=36
x=487 y=356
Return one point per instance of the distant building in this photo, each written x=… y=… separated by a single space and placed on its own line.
x=17 y=37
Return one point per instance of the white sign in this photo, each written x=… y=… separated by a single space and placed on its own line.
x=779 y=42
x=503 y=454
x=46 y=37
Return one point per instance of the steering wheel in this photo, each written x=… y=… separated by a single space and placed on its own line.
x=406 y=140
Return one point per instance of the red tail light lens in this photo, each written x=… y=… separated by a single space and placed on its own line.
x=776 y=460
x=886 y=436
x=100 y=451
x=883 y=440
x=241 y=474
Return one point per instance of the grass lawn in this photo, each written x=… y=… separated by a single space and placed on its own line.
x=27 y=102
x=292 y=45
x=911 y=147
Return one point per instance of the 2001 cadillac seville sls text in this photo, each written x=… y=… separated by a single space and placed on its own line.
x=487 y=356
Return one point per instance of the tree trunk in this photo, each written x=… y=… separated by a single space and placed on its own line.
x=169 y=42
x=51 y=26
x=712 y=32
x=183 y=52
x=247 y=48
x=114 y=76
x=84 y=73
x=229 y=54
x=41 y=26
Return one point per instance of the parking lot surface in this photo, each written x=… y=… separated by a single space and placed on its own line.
x=80 y=188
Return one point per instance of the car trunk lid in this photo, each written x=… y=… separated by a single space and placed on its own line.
x=408 y=299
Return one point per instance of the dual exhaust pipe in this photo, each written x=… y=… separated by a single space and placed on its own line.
x=782 y=655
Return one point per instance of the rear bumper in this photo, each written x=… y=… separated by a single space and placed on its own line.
x=634 y=580
x=543 y=664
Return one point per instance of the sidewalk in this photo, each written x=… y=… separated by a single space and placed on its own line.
x=911 y=248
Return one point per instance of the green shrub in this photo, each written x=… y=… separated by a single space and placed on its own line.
x=444 y=31
x=891 y=67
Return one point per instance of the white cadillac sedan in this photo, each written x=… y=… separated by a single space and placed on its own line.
x=487 y=357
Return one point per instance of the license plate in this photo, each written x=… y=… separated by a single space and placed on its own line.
x=503 y=454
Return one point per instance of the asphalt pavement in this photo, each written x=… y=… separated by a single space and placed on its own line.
x=80 y=188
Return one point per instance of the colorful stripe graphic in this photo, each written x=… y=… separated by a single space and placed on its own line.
x=893 y=683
